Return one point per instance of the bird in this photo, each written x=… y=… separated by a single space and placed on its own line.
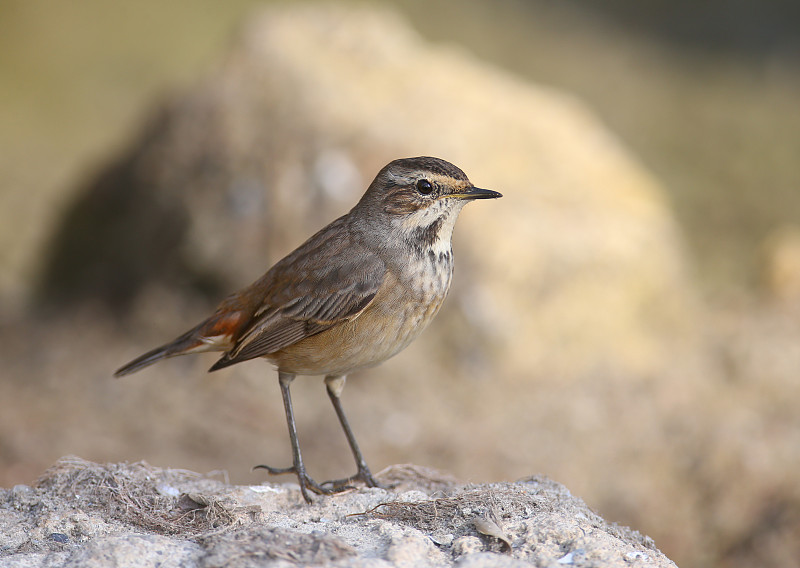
x=354 y=294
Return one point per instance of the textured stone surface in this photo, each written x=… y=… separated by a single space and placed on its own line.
x=137 y=516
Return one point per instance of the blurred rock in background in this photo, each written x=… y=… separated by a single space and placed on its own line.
x=782 y=264
x=575 y=341
x=580 y=267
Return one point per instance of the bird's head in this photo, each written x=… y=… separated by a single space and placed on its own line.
x=421 y=197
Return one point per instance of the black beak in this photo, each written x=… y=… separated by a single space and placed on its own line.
x=476 y=193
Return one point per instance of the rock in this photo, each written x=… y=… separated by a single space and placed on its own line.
x=135 y=551
x=781 y=252
x=249 y=526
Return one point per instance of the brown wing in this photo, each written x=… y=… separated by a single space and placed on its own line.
x=329 y=279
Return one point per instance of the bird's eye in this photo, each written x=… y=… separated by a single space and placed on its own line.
x=424 y=187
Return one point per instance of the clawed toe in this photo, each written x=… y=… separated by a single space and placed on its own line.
x=339 y=485
x=364 y=476
x=329 y=487
x=275 y=470
x=306 y=483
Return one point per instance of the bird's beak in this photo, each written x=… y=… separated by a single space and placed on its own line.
x=475 y=193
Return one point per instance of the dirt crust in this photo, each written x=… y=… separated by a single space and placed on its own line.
x=81 y=513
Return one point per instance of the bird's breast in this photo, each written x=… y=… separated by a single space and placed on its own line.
x=409 y=297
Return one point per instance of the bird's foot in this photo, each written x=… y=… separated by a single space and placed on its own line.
x=306 y=483
x=364 y=475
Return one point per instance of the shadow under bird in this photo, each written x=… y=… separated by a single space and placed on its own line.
x=353 y=295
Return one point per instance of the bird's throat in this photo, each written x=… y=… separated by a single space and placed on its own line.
x=430 y=230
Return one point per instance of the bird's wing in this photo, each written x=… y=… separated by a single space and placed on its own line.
x=329 y=279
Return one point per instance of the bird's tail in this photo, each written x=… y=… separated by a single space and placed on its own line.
x=214 y=334
x=189 y=342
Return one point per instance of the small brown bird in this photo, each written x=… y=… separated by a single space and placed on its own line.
x=353 y=295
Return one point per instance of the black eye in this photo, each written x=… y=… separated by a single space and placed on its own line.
x=424 y=187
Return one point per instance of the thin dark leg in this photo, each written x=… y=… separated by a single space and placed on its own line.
x=297 y=468
x=335 y=385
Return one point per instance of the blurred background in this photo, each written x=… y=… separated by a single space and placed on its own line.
x=626 y=320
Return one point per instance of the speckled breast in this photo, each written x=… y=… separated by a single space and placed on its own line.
x=407 y=301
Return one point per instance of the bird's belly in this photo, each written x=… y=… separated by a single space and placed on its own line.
x=394 y=319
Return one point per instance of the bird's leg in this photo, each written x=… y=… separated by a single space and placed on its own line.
x=297 y=467
x=335 y=386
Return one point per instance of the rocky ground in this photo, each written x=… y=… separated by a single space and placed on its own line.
x=83 y=514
